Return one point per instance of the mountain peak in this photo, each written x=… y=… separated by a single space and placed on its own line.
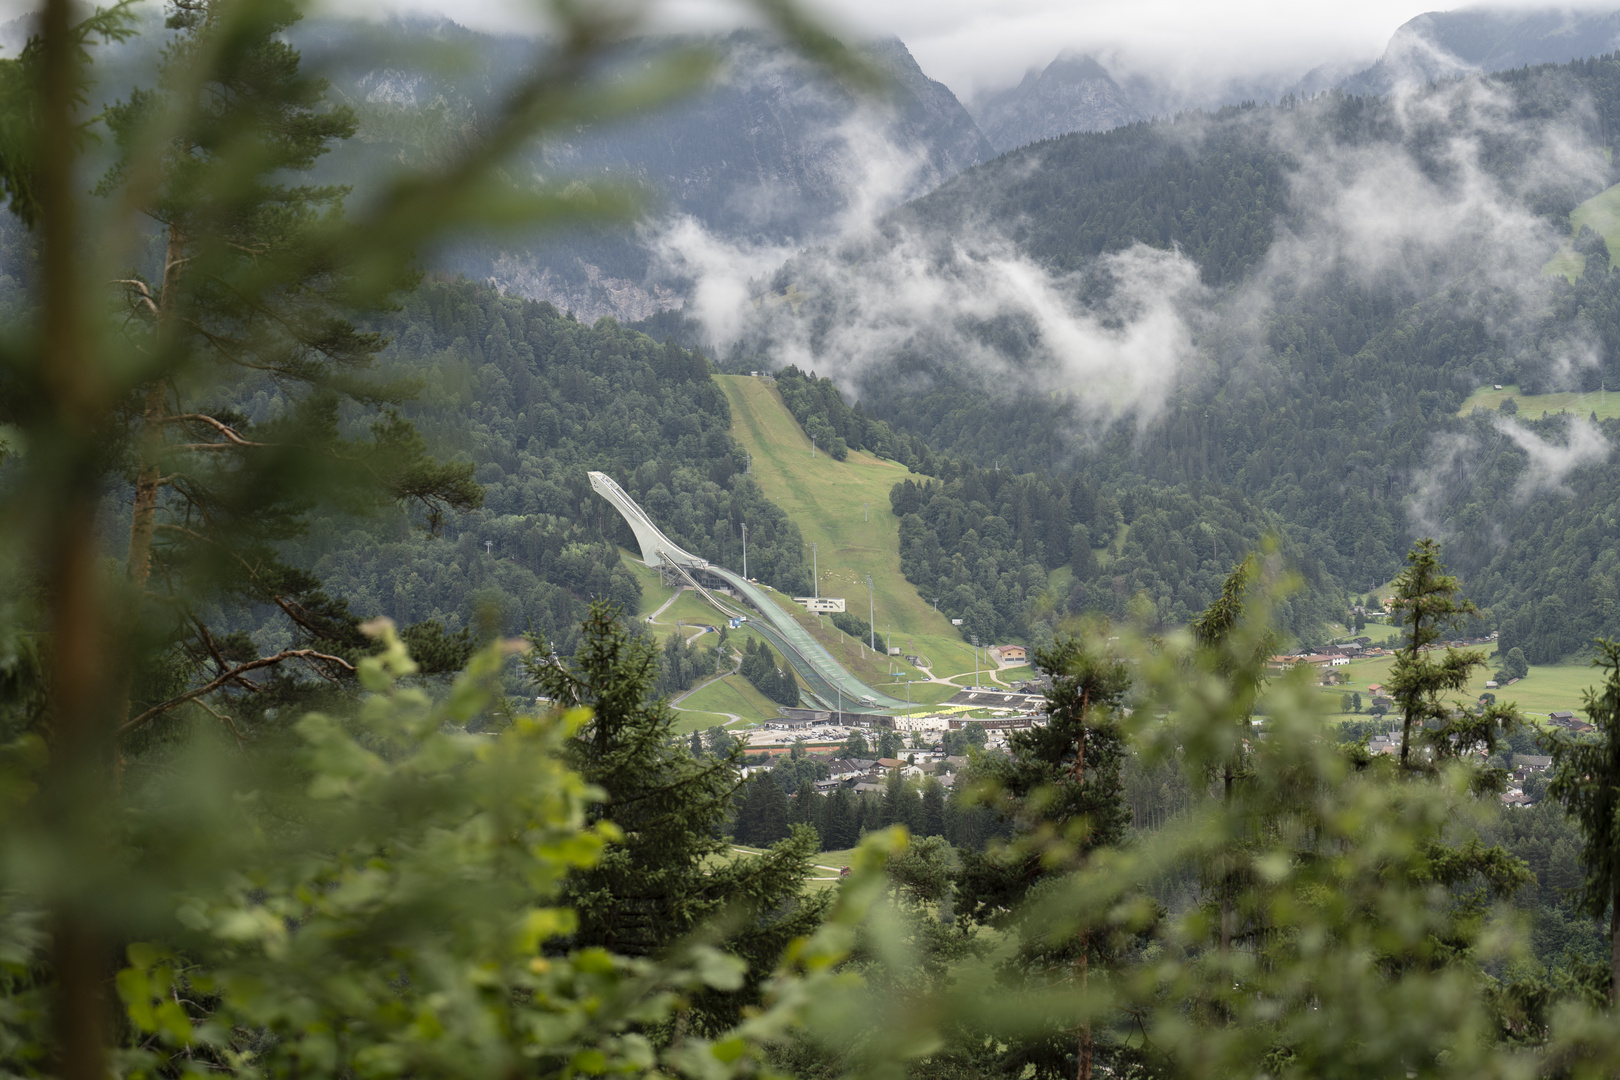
x=1073 y=93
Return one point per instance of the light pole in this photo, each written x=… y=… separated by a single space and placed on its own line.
x=975 y=661
x=815 y=574
x=871 y=613
x=745 y=550
x=812 y=446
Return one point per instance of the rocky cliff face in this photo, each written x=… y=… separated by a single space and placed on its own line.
x=1074 y=93
x=772 y=154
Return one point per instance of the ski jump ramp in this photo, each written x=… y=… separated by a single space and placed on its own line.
x=828 y=680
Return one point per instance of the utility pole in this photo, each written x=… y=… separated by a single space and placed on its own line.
x=815 y=573
x=871 y=612
x=745 y=550
x=489 y=547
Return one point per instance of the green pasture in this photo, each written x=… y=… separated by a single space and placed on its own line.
x=843 y=506
x=1548 y=688
x=691 y=609
x=732 y=694
x=1596 y=401
x=687 y=721
x=922 y=693
x=653 y=591
x=1602 y=213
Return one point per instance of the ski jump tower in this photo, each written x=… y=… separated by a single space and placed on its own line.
x=830 y=683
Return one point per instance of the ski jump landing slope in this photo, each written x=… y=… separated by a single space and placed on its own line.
x=829 y=681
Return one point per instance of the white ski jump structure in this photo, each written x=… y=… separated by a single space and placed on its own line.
x=830 y=683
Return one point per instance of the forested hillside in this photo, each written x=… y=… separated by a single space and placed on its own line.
x=1362 y=266
x=536 y=399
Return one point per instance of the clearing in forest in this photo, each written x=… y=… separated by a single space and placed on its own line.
x=1602 y=213
x=843 y=506
x=1603 y=402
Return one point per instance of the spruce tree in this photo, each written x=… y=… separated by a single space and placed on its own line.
x=843 y=831
x=1059 y=786
x=1216 y=633
x=243 y=297
x=809 y=809
x=1586 y=780
x=933 y=808
x=1427 y=599
x=670 y=874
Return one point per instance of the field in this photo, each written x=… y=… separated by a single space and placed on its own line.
x=823 y=867
x=1602 y=213
x=732 y=694
x=1597 y=401
x=1546 y=689
x=843 y=506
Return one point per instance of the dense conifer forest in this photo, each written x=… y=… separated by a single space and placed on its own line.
x=1325 y=397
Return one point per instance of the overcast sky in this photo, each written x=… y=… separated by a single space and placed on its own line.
x=971 y=45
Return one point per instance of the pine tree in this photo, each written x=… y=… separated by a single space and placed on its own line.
x=667 y=877
x=1216 y=632
x=809 y=809
x=933 y=808
x=1586 y=780
x=1427 y=599
x=1061 y=785
x=774 y=822
x=243 y=295
x=843 y=831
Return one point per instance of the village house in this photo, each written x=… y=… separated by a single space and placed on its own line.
x=1009 y=654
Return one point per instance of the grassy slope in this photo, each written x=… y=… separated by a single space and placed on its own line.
x=1546 y=689
x=1606 y=407
x=1602 y=213
x=732 y=694
x=826 y=498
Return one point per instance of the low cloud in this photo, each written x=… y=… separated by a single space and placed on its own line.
x=1114 y=338
x=1551 y=463
x=1456 y=460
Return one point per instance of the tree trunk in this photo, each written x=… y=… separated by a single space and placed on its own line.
x=1083 y=1071
x=80 y=676
x=1083 y=1068
x=1226 y=873
x=143 y=519
x=1614 y=950
x=149 y=478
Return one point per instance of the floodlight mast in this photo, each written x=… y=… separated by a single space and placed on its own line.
x=871 y=613
x=815 y=573
x=745 y=549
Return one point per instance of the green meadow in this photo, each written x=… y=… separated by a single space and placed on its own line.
x=843 y=507
x=1602 y=213
x=1595 y=401
x=1548 y=688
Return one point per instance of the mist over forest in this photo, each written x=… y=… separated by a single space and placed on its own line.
x=664 y=547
